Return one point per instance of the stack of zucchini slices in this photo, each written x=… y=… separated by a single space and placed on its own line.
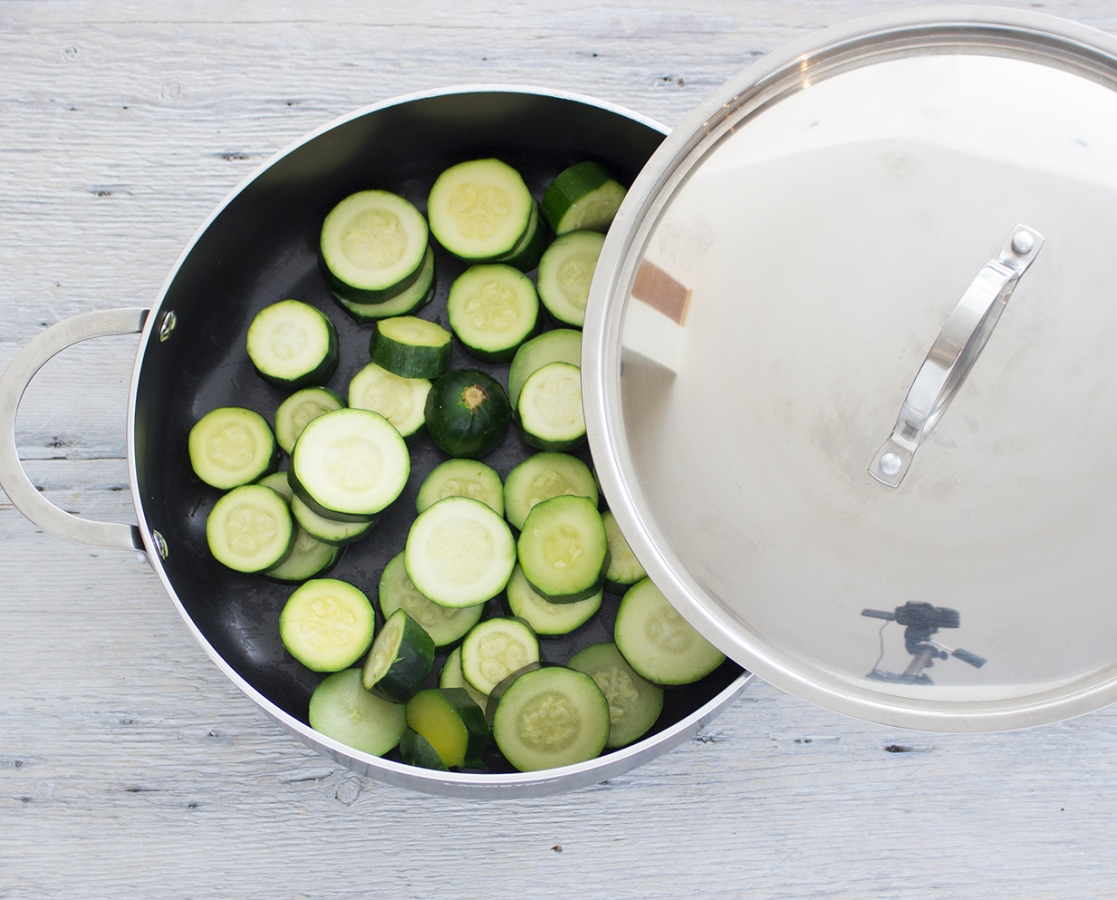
x=535 y=544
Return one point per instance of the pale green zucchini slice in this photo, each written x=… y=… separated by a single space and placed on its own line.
x=292 y=345
x=325 y=529
x=402 y=401
x=492 y=309
x=341 y=709
x=309 y=558
x=559 y=345
x=541 y=477
x=372 y=245
x=327 y=624
x=411 y=347
x=250 y=529
x=444 y=624
x=297 y=410
x=230 y=446
x=563 y=549
x=400 y=660
x=479 y=210
x=550 y=408
x=549 y=718
x=624 y=568
x=565 y=273
x=409 y=300
x=584 y=197
x=349 y=464
x=659 y=643
x=634 y=703
x=459 y=552
x=544 y=617
x=462 y=478
x=496 y=648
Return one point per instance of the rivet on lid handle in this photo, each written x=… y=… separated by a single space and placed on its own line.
x=953 y=354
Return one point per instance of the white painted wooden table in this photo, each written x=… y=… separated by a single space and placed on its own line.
x=130 y=767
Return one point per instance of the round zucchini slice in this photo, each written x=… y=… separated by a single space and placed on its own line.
x=479 y=210
x=495 y=649
x=411 y=347
x=409 y=300
x=634 y=704
x=326 y=530
x=341 y=709
x=462 y=478
x=565 y=273
x=231 y=446
x=559 y=345
x=459 y=553
x=551 y=717
x=583 y=197
x=562 y=549
x=327 y=624
x=659 y=643
x=349 y=464
x=525 y=255
x=400 y=660
x=309 y=557
x=550 y=408
x=541 y=477
x=292 y=345
x=467 y=413
x=373 y=244
x=492 y=309
x=250 y=529
x=544 y=617
x=444 y=624
x=402 y=401
x=300 y=408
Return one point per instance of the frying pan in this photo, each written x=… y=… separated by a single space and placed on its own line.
x=258 y=247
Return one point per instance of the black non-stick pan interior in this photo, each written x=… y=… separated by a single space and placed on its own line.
x=260 y=248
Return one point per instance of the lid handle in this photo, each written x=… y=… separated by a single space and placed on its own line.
x=953 y=354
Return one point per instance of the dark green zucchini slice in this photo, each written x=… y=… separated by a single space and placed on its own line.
x=411 y=347
x=400 y=660
x=583 y=197
x=452 y=724
x=467 y=413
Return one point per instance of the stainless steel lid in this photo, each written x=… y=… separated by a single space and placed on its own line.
x=795 y=291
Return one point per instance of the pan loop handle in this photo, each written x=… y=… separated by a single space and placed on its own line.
x=13 y=383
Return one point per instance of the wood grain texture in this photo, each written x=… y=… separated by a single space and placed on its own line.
x=129 y=766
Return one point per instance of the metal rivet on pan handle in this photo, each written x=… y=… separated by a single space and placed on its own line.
x=953 y=354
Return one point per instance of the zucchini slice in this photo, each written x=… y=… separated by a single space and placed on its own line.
x=341 y=709
x=550 y=408
x=327 y=624
x=278 y=482
x=230 y=446
x=292 y=345
x=462 y=478
x=624 y=568
x=526 y=254
x=584 y=197
x=467 y=413
x=250 y=529
x=445 y=625
x=400 y=660
x=544 y=617
x=349 y=464
x=373 y=244
x=563 y=549
x=479 y=210
x=326 y=530
x=565 y=273
x=416 y=750
x=551 y=717
x=402 y=401
x=452 y=724
x=459 y=553
x=309 y=557
x=297 y=410
x=559 y=345
x=411 y=347
x=659 y=643
x=492 y=309
x=495 y=649
x=451 y=677
x=541 y=477
x=409 y=300
x=634 y=704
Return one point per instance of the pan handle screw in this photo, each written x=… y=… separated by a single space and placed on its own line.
x=170 y=320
